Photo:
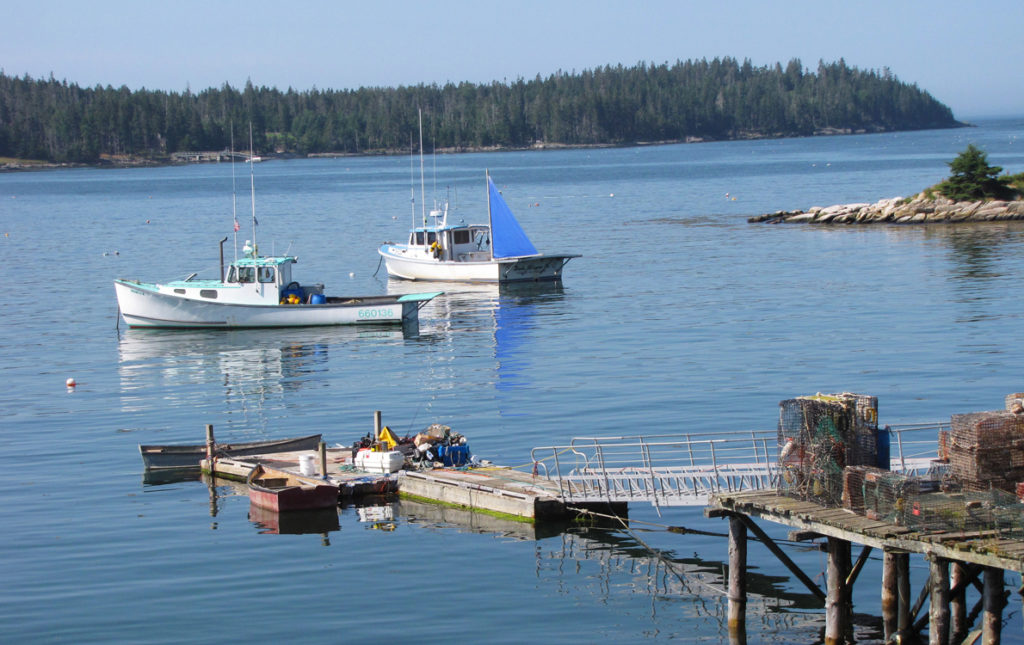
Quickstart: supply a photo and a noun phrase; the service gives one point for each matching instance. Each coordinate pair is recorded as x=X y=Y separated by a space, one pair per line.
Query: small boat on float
x=176 y=456
x=279 y=490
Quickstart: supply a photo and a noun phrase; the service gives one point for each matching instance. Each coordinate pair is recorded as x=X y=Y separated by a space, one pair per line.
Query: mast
x=490 y=227
x=252 y=192
x=412 y=181
x=234 y=194
x=423 y=198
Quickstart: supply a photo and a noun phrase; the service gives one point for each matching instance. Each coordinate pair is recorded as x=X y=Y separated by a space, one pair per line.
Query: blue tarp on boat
x=508 y=239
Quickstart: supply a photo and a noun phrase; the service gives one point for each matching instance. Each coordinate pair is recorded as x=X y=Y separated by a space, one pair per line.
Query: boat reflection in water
x=321 y=521
x=507 y=310
x=252 y=368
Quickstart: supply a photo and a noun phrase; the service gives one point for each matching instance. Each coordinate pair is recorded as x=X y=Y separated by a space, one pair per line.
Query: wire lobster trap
x=818 y=437
x=986 y=450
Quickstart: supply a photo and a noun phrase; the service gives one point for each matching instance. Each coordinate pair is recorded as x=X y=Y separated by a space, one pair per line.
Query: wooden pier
x=957 y=559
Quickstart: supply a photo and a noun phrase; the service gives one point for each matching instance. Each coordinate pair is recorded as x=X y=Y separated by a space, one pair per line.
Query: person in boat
x=436 y=249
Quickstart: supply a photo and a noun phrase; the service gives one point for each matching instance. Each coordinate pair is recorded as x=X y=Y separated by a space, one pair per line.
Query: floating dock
x=335 y=467
x=494 y=490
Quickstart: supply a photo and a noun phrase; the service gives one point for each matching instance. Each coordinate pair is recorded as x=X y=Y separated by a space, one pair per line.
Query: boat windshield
x=417 y=238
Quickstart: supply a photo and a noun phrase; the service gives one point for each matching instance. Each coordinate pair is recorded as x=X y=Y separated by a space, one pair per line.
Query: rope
x=380 y=260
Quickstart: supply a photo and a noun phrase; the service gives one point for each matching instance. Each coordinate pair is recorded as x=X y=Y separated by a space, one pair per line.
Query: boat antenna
x=412 y=180
x=423 y=199
x=234 y=195
x=433 y=155
x=252 y=191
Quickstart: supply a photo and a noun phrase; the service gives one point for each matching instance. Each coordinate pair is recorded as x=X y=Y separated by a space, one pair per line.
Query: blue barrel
x=453 y=456
x=883 y=445
x=317 y=299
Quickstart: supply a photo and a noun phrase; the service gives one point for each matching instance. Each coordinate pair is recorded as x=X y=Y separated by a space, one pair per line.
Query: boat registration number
x=382 y=312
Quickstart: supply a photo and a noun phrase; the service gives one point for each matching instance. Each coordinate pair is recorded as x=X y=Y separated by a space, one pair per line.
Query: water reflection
x=508 y=312
x=255 y=369
x=321 y=521
x=978 y=251
x=604 y=564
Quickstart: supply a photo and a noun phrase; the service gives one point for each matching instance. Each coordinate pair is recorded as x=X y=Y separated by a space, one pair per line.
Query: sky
x=968 y=55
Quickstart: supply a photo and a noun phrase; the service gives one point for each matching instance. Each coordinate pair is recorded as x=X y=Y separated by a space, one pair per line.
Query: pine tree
x=973 y=178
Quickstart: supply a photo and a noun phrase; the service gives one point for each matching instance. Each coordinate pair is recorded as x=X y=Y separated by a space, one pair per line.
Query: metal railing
x=685 y=469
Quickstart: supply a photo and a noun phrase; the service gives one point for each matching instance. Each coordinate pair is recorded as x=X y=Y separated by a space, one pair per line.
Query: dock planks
x=976 y=547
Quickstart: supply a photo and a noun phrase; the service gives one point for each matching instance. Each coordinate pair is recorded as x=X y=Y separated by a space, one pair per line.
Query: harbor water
x=680 y=317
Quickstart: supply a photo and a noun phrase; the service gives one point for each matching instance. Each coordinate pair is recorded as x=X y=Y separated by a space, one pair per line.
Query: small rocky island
x=974 y=192
x=899 y=210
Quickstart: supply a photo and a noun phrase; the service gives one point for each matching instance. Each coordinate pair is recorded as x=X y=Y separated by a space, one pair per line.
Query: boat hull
x=175 y=457
x=142 y=305
x=530 y=269
x=279 y=491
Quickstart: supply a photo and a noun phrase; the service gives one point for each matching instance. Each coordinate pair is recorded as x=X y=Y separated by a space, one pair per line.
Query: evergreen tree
x=718 y=99
x=973 y=178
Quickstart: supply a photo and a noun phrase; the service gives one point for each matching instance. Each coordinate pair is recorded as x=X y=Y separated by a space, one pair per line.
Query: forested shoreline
x=59 y=122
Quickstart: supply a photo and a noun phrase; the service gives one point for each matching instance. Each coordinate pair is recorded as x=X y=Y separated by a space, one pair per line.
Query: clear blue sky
x=969 y=55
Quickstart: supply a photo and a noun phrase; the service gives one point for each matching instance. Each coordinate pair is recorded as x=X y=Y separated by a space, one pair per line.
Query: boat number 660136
x=385 y=312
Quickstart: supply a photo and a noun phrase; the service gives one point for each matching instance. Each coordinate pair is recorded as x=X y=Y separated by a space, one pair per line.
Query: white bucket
x=306 y=465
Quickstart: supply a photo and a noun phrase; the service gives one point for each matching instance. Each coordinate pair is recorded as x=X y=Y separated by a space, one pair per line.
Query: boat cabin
x=272 y=279
x=459 y=243
x=250 y=280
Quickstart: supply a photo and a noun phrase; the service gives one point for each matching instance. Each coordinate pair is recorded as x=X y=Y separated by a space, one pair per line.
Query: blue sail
x=508 y=239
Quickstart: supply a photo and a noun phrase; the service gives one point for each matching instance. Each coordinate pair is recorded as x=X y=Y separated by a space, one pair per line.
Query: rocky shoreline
x=920 y=209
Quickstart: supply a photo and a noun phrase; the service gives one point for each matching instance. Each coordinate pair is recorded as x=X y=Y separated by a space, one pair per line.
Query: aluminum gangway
x=686 y=469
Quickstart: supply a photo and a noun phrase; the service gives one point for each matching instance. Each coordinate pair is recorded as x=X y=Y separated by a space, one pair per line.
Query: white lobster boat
x=257 y=291
x=498 y=251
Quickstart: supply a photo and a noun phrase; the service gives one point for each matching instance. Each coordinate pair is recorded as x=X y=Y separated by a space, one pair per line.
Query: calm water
x=680 y=316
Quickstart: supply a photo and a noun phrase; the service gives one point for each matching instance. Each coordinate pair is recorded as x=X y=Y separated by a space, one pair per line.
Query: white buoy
x=70 y=382
x=351 y=274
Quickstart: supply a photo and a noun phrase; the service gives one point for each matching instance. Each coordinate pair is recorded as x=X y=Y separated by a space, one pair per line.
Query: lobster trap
x=818 y=437
x=986 y=450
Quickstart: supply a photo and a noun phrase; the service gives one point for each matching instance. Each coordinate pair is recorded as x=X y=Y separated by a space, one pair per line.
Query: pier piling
x=737 y=580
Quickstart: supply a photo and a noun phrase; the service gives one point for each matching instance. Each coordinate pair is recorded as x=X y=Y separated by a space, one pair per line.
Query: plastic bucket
x=317 y=299
x=306 y=465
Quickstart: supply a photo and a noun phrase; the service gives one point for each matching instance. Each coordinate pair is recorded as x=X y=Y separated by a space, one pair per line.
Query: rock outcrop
x=899 y=210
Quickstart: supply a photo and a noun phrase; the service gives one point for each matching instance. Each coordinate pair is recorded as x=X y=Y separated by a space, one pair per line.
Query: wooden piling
x=904 y=621
x=938 y=611
x=737 y=580
x=890 y=594
x=992 y=618
x=837 y=601
x=958 y=627
x=376 y=425
x=322 y=453
x=210 y=445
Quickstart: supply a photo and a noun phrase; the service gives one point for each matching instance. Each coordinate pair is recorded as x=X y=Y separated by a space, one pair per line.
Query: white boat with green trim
x=257 y=291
